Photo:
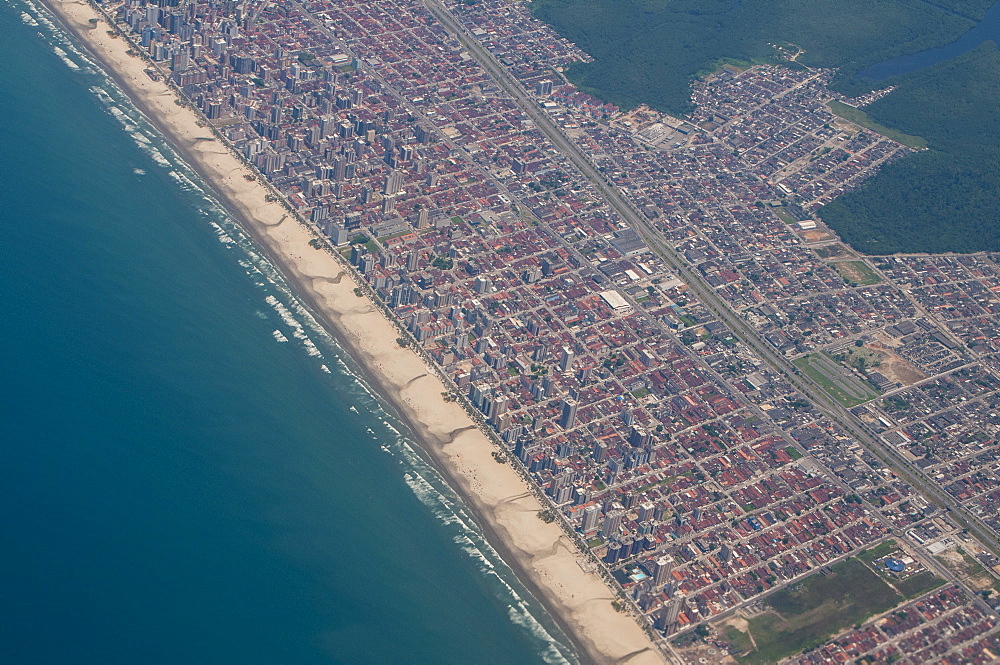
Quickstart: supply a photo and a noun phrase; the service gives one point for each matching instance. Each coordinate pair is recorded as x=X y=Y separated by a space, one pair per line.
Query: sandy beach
x=545 y=559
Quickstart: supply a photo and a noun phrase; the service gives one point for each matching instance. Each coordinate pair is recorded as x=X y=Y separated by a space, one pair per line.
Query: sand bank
x=543 y=556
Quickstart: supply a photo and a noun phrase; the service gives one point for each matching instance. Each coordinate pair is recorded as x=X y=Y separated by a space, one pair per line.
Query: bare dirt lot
x=895 y=367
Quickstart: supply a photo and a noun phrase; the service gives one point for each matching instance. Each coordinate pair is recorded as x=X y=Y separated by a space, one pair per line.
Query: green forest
x=647 y=51
x=941 y=199
x=946 y=198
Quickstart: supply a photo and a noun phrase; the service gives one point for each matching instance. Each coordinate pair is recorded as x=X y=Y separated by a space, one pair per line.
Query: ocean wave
x=65 y=58
x=423 y=481
x=158 y=157
x=430 y=497
x=226 y=239
x=298 y=331
x=467 y=545
x=390 y=427
x=471 y=541
x=521 y=616
x=188 y=184
x=55 y=36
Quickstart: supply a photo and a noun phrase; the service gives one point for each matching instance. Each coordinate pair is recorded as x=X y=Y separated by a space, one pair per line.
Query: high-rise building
x=612 y=523
x=661 y=570
x=498 y=406
x=327 y=125
x=393 y=183
x=672 y=610
x=180 y=60
x=590 y=516
x=566 y=363
x=338 y=168
x=568 y=417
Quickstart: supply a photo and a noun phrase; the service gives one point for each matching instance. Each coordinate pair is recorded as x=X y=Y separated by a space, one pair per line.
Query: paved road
x=740 y=328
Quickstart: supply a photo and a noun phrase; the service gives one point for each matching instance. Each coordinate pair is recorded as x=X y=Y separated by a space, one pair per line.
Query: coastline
x=543 y=557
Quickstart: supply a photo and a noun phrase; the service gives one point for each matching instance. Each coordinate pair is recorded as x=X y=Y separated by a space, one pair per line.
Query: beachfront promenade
x=621 y=300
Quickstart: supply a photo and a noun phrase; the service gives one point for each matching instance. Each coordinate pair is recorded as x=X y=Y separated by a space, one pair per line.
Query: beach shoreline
x=544 y=558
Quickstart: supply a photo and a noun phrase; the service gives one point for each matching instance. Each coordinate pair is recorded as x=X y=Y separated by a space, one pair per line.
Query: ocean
x=192 y=471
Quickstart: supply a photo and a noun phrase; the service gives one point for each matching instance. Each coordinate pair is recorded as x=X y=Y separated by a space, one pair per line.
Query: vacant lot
x=834 y=251
x=808 y=613
x=856 y=273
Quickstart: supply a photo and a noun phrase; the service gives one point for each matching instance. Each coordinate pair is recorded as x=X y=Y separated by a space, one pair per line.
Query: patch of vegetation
x=784 y=215
x=649 y=486
x=845 y=388
x=860 y=358
x=945 y=198
x=859 y=117
x=918 y=585
x=737 y=639
x=895 y=403
x=879 y=551
x=856 y=273
x=807 y=614
x=832 y=251
x=443 y=263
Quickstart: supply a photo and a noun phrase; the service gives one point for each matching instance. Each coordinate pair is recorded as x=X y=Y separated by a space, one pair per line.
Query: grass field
x=859 y=117
x=834 y=380
x=879 y=551
x=911 y=587
x=784 y=215
x=808 y=613
x=918 y=585
x=856 y=273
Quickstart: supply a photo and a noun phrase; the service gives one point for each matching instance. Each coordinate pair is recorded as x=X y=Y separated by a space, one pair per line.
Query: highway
x=740 y=328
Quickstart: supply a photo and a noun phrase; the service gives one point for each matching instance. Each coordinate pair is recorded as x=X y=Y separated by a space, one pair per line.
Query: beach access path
x=545 y=559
